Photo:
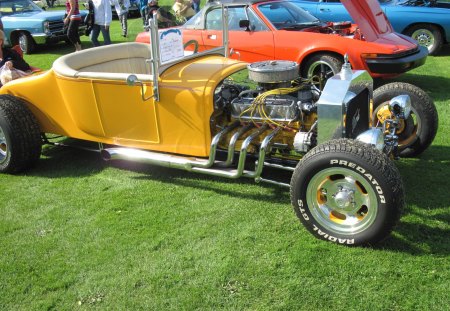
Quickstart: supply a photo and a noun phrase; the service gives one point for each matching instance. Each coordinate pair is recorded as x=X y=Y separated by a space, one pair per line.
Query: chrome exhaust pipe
x=198 y=165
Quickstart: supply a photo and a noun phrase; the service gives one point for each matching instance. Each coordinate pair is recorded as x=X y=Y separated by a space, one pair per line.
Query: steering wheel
x=191 y=42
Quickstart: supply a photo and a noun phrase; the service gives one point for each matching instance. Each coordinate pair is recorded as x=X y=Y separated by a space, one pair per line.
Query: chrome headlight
x=400 y=106
x=46 y=27
x=373 y=137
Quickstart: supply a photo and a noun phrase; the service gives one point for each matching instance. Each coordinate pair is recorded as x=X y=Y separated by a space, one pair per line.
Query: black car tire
x=347 y=192
x=332 y=63
x=26 y=43
x=20 y=136
x=428 y=36
x=421 y=127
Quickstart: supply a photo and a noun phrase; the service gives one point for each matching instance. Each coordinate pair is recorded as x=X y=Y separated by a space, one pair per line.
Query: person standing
x=103 y=18
x=122 y=7
x=72 y=22
x=143 y=10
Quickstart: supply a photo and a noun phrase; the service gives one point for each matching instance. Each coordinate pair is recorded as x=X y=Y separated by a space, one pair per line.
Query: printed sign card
x=170 y=45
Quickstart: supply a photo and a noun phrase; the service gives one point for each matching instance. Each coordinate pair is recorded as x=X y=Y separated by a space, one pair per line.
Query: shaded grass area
x=80 y=233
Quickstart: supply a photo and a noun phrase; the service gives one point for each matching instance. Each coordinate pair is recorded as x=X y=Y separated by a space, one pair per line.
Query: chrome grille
x=56 y=27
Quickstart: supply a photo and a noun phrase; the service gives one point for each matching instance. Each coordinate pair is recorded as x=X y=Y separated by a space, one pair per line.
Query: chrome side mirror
x=400 y=106
x=132 y=80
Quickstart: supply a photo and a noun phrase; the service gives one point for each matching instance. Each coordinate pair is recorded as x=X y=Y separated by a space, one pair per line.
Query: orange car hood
x=370 y=18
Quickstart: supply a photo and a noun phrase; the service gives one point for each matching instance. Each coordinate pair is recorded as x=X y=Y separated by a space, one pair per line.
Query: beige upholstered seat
x=111 y=62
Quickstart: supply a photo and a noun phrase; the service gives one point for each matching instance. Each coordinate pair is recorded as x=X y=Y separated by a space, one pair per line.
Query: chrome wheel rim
x=342 y=201
x=3 y=146
x=315 y=69
x=408 y=133
x=23 y=42
x=424 y=37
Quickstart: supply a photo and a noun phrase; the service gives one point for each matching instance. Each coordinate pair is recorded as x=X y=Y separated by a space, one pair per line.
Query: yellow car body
x=111 y=112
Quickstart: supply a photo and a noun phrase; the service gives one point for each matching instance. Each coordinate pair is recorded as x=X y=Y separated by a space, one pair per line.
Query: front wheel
x=20 y=137
x=347 y=192
x=428 y=36
x=321 y=67
x=26 y=43
x=418 y=131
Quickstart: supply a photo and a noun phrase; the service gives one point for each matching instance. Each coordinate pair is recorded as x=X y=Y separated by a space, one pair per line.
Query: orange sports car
x=278 y=29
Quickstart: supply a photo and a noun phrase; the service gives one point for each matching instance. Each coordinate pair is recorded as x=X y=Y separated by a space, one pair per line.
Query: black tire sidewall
x=331 y=61
x=438 y=38
x=427 y=133
x=309 y=168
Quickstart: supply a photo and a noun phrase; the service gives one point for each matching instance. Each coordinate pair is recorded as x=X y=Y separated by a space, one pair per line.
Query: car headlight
x=400 y=106
x=374 y=137
x=46 y=27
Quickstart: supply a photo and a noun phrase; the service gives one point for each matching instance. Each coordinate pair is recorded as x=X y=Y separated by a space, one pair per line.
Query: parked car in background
x=428 y=22
x=277 y=29
x=27 y=25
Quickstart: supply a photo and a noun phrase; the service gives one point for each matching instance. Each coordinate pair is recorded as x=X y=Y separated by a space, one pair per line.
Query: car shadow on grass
x=445 y=51
x=435 y=86
x=423 y=228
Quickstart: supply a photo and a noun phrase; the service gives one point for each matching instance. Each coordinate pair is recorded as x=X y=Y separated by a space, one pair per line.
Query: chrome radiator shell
x=341 y=92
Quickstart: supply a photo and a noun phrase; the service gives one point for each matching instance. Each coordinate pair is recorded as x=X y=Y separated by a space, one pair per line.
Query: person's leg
x=73 y=35
x=144 y=16
x=94 y=34
x=123 y=22
x=196 y=6
x=105 y=34
x=125 y=25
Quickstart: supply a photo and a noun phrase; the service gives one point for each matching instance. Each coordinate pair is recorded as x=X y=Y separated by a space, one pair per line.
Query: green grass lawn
x=77 y=233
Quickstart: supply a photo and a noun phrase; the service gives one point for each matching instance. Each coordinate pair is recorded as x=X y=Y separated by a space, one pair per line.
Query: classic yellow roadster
x=209 y=114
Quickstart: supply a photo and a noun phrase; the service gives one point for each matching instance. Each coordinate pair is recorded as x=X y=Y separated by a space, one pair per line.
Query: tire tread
x=25 y=142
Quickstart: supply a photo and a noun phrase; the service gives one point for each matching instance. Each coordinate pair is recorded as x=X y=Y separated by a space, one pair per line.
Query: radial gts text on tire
x=419 y=130
x=347 y=192
x=428 y=36
x=20 y=137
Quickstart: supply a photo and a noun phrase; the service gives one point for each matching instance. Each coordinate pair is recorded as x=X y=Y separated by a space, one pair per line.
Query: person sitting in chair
x=12 y=65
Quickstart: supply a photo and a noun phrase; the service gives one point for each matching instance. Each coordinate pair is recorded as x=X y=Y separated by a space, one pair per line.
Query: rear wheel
x=347 y=192
x=428 y=36
x=20 y=140
x=26 y=43
x=418 y=131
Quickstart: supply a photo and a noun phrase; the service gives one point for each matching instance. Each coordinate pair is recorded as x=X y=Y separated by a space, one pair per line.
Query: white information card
x=170 y=45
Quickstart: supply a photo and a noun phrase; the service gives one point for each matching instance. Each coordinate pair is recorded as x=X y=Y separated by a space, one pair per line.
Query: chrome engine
x=278 y=97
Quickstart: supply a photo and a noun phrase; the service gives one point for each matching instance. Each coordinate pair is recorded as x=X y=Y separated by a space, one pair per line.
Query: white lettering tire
x=347 y=192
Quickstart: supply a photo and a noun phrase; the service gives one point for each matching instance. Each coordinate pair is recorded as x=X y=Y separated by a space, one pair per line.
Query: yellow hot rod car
x=209 y=114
